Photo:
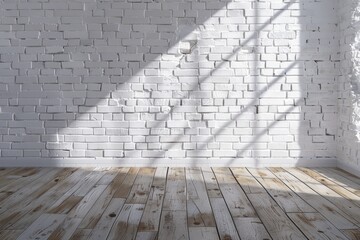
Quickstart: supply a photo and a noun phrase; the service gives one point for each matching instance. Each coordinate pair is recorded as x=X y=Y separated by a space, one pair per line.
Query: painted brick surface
x=168 y=79
x=349 y=83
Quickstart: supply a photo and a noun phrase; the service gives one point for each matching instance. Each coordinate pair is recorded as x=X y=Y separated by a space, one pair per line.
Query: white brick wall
x=349 y=84
x=202 y=80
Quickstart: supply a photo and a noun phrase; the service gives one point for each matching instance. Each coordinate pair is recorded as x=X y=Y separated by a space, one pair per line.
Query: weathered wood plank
x=37 y=206
x=66 y=205
x=25 y=193
x=151 y=218
x=103 y=227
x=275 y=220
x=322 y=205
x=8 y=175
x=146 y=236
x=173 y=225
x=24 y=176
x=93 y=216
x=43 y=227
x=109 y=175
x=81 y=204
x=347 y=175
x=6 y=171
x=89 y=182
x=65 y=230
x=175 y=196
x=352 y=234
x=251 y=228
x=315 y=226
x=83 y=207
x=10 y=234
x=141 y=187
x=344 y=205
x=235 y=198
x=126 y=224
x=78 y=211
x=353 y=198
x=203 y=233
x=40 y=186
x=224 y=222
x=4 y=195
x=81 y=234
x=340 y=180
x=211 y=184
x=198 y=206
x=124 y=189
x=247 y=181
x=283 y=196
x=82 y=182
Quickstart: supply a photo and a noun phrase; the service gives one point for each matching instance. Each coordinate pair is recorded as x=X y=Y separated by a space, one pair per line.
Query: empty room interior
x=179 y=119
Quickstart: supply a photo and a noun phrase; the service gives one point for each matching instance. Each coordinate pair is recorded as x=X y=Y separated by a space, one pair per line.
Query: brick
x=120 y=79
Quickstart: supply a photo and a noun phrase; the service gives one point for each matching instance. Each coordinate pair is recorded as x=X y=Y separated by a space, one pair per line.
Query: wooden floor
x=178 y=203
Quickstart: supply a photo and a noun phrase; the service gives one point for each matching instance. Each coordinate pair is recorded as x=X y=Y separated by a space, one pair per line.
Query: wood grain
x=178 y=203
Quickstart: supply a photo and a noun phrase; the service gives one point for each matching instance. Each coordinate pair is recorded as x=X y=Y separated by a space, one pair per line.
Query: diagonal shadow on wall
x=144 y=60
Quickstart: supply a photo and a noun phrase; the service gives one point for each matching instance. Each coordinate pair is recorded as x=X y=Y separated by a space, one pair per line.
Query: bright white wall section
x=168 y=82
x=349 y=86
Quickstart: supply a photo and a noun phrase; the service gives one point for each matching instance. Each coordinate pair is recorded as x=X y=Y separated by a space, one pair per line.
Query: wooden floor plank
x=275 y=220
x=84 y=206
x=175 y=196
x=81 y=234
x=66 y=205
x=89 y=182
x=81 y=179
x=4 y=195
x=352 y=234
x=77 y=211
x=103 y=227
x=234 y=196
x=340 y=180
x=151 y=217
x=66 y=229
x=211 y=184
x=8 y=175
x=283 y=196
x=343 y=204
x=173 y=225
x=347 y=175
x=93 y=216
x=28 y=194
x=251 y=228
x=173 y=221
x=146 y=236
x=43 y=227
x=126 y=224
x=322 y=205
x=198 y=206
x=224 y=221
x=178 y=203
x=141 y=187
x=36 y=206
x=203 y=233
x=353 y=198
x=247 y=181
x=25 y=188
x=124 y=189
x=24 y=176
x=109 y=175
x=10 y=234
x=315 y=226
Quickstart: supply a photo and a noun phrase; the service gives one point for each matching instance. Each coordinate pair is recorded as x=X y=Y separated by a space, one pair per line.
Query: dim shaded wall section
x=168 y=82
